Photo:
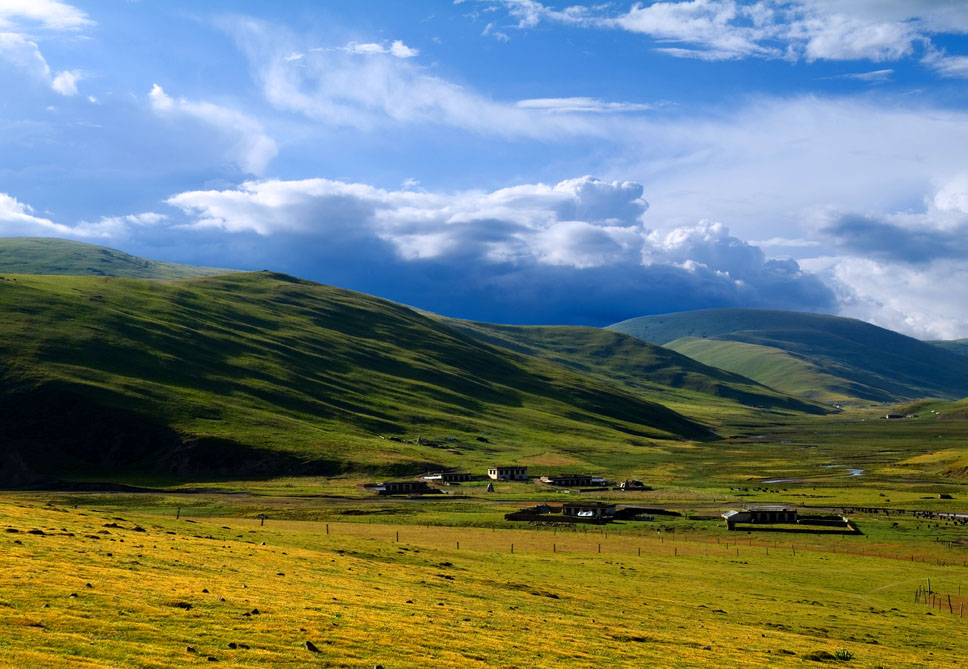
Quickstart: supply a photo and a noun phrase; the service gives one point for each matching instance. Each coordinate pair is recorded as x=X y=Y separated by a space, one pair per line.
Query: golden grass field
x=92 y=590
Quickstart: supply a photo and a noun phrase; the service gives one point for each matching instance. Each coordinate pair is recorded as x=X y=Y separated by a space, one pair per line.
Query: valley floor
x=119 y=580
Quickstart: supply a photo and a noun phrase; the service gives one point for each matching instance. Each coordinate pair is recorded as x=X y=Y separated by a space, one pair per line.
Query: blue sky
x=510 y=160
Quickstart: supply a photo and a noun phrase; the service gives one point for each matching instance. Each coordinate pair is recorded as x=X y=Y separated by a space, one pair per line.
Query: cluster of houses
x=495 y=473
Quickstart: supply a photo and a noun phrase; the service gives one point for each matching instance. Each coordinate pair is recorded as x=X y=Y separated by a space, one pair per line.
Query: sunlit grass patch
x=405 y=595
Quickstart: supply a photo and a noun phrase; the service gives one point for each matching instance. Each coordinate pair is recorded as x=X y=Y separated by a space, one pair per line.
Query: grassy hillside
x=959 y=346
x=842 y=355
x=637 y=365
x=771 y=366
x=254 y=373
x=42 y=255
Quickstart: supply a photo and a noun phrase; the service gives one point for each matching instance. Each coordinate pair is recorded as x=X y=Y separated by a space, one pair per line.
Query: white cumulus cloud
x=65 y=83
x=18 y=219
x=579 y=223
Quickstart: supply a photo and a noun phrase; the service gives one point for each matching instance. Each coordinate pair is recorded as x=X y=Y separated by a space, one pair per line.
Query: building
x=761 y=515
x=401 y=488
x=632 y=484
x=571 y=480
x=509 y=473
x=447 y=477
x=530 y=513
x=592 y=511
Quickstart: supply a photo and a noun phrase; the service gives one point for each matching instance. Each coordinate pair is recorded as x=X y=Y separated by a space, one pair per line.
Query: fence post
x=512 y=548
x=327 y=528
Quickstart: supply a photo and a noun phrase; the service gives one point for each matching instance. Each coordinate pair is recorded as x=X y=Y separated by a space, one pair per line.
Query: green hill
x=959 y=346
x=935 y=410
x=771 y=366
x=822 y=357
x=260 y=373
x=638 y=366
x=42 y=255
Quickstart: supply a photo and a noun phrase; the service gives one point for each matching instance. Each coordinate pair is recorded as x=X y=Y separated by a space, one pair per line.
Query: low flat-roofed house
x=761 y=515
x=568 y=480
x=508 y=473
x=589 y=510
x=447 y=477
x=401 y=488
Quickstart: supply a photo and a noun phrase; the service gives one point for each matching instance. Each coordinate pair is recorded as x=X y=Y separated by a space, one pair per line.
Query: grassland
x=43 y=255
x=119 y=581
x=405 y=582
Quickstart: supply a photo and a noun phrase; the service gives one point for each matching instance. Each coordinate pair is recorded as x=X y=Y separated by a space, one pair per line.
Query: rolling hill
x=42 y=255
x=959 y=346
x=825 y=358
x=638 y=366
x=263 y=374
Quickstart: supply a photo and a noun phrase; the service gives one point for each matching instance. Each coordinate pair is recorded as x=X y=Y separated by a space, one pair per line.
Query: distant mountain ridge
x=48 y=255
x=821 y=357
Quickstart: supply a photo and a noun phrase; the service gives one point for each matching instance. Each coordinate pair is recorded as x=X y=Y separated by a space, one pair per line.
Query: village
x=598 y=512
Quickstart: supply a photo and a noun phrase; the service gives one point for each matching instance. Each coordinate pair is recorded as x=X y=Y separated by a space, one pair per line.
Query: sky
x=510 y=161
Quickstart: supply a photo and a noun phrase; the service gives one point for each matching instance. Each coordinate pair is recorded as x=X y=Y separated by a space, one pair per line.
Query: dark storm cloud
x=889 y=241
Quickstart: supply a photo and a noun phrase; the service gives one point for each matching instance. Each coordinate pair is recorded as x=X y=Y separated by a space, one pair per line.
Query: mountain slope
x=774 y=367
x=958 y=346
x=259 y=372
x=635 y=364
x=42 y=255
x=829 y=356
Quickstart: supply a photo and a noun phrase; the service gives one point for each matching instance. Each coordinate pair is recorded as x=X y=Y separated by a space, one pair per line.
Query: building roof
x=587 y=505
x=770 y=507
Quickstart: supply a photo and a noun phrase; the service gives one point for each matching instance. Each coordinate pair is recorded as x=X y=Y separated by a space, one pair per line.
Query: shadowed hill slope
x=822 y=357
x=635 y=364
x=253 y=373
x=42 y=255
x=959 y=346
